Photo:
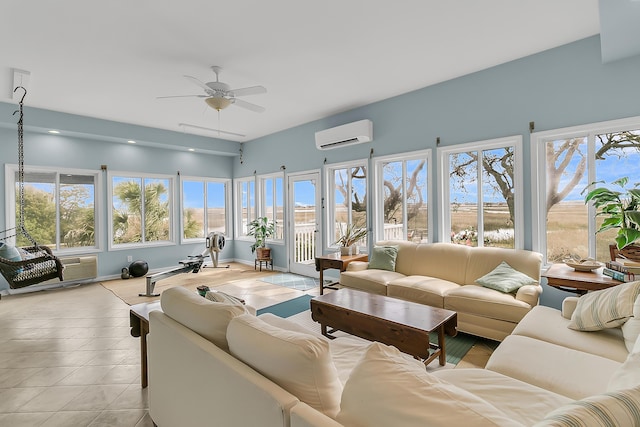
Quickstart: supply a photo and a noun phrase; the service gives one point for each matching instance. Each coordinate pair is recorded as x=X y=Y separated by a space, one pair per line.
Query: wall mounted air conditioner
x=349 y=134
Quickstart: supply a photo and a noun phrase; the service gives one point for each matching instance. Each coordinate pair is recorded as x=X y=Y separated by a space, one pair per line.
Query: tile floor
x=67 y=357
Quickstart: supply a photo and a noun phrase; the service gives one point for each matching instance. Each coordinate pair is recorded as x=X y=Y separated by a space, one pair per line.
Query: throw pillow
x=299 y=363
x=207 y=318
x=628 y=374
x=619 y=408
x=631 y=328
x=9 y=252
x=607 y=308
x=385 y=390
x=505 y=279
x=383 y=258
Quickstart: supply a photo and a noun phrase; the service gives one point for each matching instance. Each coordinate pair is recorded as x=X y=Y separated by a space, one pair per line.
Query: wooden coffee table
x=402 y=324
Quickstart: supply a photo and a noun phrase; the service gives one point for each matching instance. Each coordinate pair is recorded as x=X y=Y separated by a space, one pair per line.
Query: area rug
x=293 y=281
x=128 y=290
x=456 y=347
x=288 y=308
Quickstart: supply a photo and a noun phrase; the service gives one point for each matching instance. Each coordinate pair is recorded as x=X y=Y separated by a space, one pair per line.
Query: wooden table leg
x=321 y=281
x=441 y=344
x=144 y=331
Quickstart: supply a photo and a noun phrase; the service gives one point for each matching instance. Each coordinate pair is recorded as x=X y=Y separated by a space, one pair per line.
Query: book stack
x=622 y=269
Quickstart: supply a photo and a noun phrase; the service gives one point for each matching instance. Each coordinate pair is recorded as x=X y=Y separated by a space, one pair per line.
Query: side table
x=139 y=322
x=565 y=278
x=337 y=261
x=266 y=261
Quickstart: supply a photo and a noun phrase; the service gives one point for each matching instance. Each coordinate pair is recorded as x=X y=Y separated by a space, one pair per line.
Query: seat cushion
x=384 y=391
x=486 y=302
x=547 y=324
x=559 y=369
x=203 y=316
x=520 y=401
x=421 y=289
x=374 y=281
x=298 y=362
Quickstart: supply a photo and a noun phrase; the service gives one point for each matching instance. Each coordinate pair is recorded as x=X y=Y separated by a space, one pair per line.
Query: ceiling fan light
x=218 y=103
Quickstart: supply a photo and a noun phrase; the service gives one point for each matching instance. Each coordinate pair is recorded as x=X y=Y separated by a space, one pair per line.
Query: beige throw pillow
x=205 y=317
x=608 y=308
x=299 y=363
x=385 y=390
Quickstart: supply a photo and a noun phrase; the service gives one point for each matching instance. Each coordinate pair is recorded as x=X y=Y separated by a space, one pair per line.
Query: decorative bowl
x=583 y=264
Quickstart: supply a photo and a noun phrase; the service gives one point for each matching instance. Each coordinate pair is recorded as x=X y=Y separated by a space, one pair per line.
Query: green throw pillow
x=505 y=279
x=606 y=308
x=383 y=258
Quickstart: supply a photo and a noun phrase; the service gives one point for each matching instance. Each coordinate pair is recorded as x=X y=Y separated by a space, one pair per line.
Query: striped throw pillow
x=613 y=409
x=608 y=308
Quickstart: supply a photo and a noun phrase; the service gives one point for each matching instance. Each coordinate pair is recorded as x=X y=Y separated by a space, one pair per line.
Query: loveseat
x=275 y=372
x=444 y=275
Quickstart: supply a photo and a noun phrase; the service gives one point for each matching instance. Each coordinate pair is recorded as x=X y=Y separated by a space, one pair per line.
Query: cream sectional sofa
x=277 y=373
x=444 y=274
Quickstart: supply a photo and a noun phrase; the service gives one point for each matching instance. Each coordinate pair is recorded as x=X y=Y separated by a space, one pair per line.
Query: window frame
x=228 y=223
x=172 y=210
x=261 y=198
x=378 y=176
x=251 y=203
x=444 y=229
x=539 y=175
x=329 y=185
x=10 y=203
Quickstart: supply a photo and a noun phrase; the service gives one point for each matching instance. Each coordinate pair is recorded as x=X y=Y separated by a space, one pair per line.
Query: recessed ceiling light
x=54 y=131
x=191 y=149
x=131 y=141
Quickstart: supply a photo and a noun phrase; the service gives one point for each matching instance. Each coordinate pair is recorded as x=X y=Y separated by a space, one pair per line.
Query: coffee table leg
x=441 y=344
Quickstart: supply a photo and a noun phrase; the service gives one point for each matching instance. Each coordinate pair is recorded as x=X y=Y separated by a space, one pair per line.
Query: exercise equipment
x=36 y=263
x=214 y=244
x=138 y=268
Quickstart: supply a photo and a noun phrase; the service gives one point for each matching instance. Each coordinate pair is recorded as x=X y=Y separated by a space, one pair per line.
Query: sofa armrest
x=357 y=266
x=529 y=294
x=568 y=306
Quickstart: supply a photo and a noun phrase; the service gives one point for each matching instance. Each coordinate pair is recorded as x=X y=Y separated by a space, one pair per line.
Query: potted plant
x=349 y=237
x=621 y=210
x=261 y=229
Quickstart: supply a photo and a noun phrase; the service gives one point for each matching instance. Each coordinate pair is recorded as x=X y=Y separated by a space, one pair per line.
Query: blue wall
x=561 y=87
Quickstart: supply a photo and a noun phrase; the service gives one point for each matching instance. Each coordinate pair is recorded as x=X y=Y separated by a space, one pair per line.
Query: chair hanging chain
x=21 y=226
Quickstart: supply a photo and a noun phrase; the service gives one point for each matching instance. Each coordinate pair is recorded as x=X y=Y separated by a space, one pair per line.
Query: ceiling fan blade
x=252 y=90
x=183 y=96
x=199 y=83
x=248 y=105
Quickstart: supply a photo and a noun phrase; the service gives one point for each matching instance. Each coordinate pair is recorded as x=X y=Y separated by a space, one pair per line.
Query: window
x=245 y=204
x=59 y=207
x=140 y=209
x=567 y=162
x=481 y=200
x=347 y=199
x=402 y=205
x=204 y=207
x=272 y=201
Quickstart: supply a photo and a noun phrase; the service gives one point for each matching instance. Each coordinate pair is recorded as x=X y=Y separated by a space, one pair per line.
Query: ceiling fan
x=219 y=95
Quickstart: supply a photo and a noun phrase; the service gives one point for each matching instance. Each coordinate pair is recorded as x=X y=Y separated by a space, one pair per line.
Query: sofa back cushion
x=385 y=390
x=298 y=362
x=486 y=259
x=205 y=317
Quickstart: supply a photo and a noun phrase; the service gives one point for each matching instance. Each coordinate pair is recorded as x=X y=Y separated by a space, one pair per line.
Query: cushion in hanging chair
x=9 y=252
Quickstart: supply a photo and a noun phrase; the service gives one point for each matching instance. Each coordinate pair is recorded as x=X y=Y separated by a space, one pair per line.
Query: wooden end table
x=337 y=261
x=392 y=321
x=563 y=277
x=139 y=322
x=268 y=262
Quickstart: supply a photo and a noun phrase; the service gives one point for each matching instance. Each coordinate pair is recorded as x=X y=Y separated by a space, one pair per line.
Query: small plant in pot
x=620 y=209
x=261 y=229
x=351 y=235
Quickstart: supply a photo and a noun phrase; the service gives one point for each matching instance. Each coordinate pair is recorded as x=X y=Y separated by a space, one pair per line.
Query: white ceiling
x=111 y=59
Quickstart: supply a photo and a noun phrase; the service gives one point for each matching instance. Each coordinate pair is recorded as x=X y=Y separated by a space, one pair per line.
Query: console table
x=563 y=277
x=337 y=261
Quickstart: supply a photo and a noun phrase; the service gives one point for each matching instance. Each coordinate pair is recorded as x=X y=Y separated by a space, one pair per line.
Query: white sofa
x=444 y=275
x=537 y=372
